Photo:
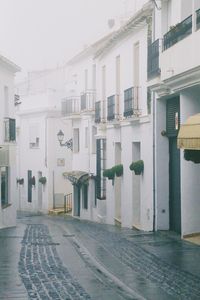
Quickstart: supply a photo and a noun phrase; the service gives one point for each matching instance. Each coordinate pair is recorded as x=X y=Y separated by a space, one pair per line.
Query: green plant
x=192 y=155
x=109 y=173
x=118 y=170
x=43 y=180
x=137 y=167
x=20 y=181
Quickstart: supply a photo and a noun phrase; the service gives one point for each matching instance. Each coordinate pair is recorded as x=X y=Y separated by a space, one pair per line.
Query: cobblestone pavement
x=174 y=281
x=41 y=269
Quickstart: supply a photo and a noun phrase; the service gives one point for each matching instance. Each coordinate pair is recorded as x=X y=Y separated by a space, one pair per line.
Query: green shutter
x=173 y=117
x=12 y=129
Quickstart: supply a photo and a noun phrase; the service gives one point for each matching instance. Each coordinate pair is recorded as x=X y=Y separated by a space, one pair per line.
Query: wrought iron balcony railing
x=197 y=19
x=153 y=59
x=88 y=100
x=177 y=33
x=70 y=106
x=98 y=112
x=131 y=102
x=113 y=107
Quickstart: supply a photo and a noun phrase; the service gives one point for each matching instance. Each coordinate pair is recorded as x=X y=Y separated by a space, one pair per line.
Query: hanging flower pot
x=137 y=167
x=20 y=181
x=192 y=155
x=43 y=180
x=118 y=170
x=109 y=173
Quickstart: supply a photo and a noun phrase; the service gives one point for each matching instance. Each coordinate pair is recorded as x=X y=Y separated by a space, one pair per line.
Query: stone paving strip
x=41 y=269
x=175 y=282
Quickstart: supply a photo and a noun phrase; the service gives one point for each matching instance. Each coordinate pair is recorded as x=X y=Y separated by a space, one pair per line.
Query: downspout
x=154 y=165
x=154 y=133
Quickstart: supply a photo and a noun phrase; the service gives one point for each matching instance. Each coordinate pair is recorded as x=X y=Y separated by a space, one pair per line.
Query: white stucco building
x=109 y=79
x=123 y=115
x=174 y=78
x=7 y=143
x=39 y=153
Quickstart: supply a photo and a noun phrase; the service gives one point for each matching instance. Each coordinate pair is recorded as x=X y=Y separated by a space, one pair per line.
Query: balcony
x=177 y=33
x=98 y=112
x=9 y=130
x=113 y=107
x=181 y=58
x=70 y=106
x=153 y=59
x=198 y=19
x=88 y=100
x=131 y=102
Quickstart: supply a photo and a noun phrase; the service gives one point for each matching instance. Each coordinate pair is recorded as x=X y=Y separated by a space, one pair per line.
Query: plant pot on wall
x=20 y=181
x=137 y=167
x=109 y=173
x=118 y=170
x=43 y=180
x=192 y=155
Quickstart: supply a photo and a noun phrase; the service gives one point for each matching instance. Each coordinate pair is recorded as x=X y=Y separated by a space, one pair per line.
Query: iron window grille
x=111 y=108
x=198 y=19
x=70 y=105
x=10 y=130
x=98 y=112
x=153 y=69
x=131 y=102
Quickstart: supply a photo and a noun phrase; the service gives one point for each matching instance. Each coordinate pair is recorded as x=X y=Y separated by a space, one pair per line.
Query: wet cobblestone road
x=41 y=269
x=175 y=282
x=64 y=258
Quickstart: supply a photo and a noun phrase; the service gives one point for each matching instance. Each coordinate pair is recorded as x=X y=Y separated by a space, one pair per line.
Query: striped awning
x=77 y=177
x=189 y=134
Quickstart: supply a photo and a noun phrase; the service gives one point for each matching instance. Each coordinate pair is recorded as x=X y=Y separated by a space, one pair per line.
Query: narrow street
x=48 y=257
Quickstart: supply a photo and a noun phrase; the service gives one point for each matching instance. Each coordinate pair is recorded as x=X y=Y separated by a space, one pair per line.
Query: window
x=34 y=136
x=100 y=167
x=76 y=140
x=111 y=108
x=94 y=132
x=4 y=186
x=10 y=130
x=128 y=102
x=6 y=102
x=85 y=196
x=86 y=137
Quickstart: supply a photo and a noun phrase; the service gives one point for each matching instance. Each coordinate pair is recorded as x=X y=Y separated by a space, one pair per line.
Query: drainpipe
x=154 y=165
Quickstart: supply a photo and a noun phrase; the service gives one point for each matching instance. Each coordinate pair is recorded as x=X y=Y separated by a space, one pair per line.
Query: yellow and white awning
x=189 y=134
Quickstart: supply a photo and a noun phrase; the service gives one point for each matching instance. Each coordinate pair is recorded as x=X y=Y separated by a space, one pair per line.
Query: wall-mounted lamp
x=68 y=144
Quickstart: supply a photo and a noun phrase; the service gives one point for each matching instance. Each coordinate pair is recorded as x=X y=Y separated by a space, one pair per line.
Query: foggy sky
x=38 y=34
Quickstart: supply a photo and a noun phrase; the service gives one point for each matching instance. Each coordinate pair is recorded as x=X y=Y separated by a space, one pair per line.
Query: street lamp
x=68 y=144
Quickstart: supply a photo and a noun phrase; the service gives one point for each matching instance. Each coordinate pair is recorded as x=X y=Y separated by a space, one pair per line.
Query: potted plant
x=20 y=181
x=192 y=155
x=118 y=170
x=137 y=167
x=109 y=173
x=43 y=180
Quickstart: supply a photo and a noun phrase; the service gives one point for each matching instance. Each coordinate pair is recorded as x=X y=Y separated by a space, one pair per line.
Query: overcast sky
x=38 y=34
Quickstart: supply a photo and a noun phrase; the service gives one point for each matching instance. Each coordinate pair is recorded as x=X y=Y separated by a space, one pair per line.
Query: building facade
x=173 y=78
x=7 y=143
x=41 y=160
